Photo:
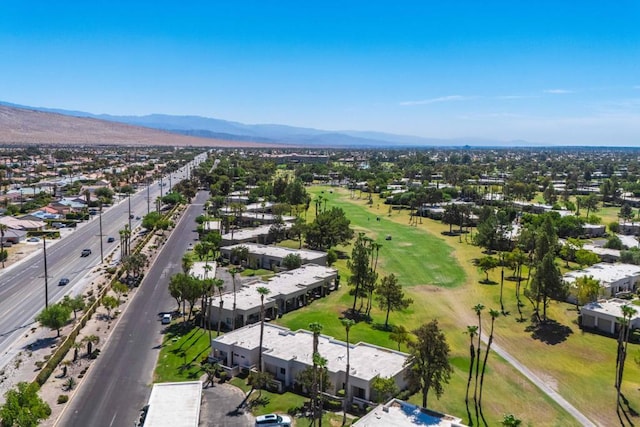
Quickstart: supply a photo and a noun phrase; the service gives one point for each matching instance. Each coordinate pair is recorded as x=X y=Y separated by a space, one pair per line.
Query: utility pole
x=148 y=197
x=161 y=186
x=129 y=202
x=100 y=235
x=46 y=275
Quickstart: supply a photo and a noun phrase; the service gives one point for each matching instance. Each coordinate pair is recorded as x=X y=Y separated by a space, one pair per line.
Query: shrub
x=63 y=398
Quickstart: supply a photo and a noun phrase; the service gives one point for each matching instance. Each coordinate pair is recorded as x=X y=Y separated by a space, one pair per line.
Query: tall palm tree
x=478 y=309
x=3 y=228
x=316 y=328
x=321 y=363
x=347 y=323
x=233 y=272
x=219 y=284
x=262 y=290
x=627 y=313
x=472 y=331
x=494 y=315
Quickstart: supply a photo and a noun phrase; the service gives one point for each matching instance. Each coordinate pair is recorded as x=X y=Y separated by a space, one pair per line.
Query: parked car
x=166 y=319
x=85 y=252
x=273 y=420
x=110 y=239
x=58 y=225
x=64 y=281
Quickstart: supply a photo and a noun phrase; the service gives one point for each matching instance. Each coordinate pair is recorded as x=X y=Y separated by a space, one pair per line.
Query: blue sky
x=550 y=72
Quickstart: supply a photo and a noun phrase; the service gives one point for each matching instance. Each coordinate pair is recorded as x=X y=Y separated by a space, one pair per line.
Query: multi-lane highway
x=119 y=382
x=22 y=286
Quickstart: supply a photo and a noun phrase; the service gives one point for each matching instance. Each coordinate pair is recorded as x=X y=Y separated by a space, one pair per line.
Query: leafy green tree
x=328 y=229
x=587 y=290
x=569 y=249
x=400 y=335
x=486 y=264
x=510 y=420
x=239 y=254
x=332 y=257
x=359 y=265
x=626 y=213
x=384 y=388
x=390 y=296
x=292 y=261
x=614 y=242
x=54 y=317
x=259 y=381
x=429 y=366
x=586 y=257
x=110 y=302
x=75 y=304
x=547 y=284
x=487 y=233
x=23 y=407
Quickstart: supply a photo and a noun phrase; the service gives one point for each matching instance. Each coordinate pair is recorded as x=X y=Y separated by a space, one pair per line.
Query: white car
x=273 y=420
x=166 y=319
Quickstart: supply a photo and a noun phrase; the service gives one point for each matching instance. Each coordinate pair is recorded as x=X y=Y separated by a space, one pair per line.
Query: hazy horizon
x=546 y=72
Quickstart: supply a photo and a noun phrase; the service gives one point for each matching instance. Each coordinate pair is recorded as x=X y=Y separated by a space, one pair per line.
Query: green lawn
x=578 y=365
x=182 y=351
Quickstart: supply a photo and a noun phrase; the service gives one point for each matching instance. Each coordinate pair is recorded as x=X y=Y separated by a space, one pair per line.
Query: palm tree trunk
x=472 y=352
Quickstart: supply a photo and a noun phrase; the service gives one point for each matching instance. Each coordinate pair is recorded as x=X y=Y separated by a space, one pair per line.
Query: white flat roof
x=277 y=251
x=605 y=273
x=174 y=405
x=611 y=307
x=199 y=270
x=398 y=413
x=367 y=361
x=250 y=233
x=285 y=283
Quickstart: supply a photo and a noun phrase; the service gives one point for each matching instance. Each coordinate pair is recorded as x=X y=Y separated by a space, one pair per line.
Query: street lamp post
x=100 y=235
x=46 y=275
x=148 y=197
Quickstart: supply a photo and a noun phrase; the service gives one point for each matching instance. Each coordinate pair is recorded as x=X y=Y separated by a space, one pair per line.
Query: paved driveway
x=220 y=407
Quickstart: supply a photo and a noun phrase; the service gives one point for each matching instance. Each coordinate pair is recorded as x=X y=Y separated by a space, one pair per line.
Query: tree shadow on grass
x=258 y=401
x=356 y=316
x=550 y=332
x=488 y=282
x=381 y=327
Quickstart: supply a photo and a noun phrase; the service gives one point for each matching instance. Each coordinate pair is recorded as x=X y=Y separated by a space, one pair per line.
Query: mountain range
x=202 y=128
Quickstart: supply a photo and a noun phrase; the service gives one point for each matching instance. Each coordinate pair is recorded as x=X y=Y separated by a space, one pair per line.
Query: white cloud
x=435 y=100
x=558 y=91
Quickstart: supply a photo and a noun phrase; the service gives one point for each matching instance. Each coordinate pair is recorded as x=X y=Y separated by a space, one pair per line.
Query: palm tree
x=219 y=284
x=625 y=323
x=472 y=331
x=91 y=340
x=347 y=323
x=494 y=315
x=316 y=328
x=478 y=309
x=321 y=363
x=233 y=272
x=262 y=290
x=3 y=228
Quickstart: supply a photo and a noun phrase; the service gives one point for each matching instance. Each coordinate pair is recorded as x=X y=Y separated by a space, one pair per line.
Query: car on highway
x=273 y=420
x=111 y=239
x=137 y=218
x=64 y=281
x=85 y=252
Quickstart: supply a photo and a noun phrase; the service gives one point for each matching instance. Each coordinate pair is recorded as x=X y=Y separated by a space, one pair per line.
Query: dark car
x=85 y=252
x=64 y=281
x=110 y=239
x=131 y=216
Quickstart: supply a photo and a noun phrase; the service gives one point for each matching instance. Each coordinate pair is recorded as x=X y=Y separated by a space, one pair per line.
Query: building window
x=283 y=371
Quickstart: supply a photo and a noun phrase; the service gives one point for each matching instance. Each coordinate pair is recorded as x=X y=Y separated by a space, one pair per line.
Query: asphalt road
x=119 y=382
x=22 y=286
